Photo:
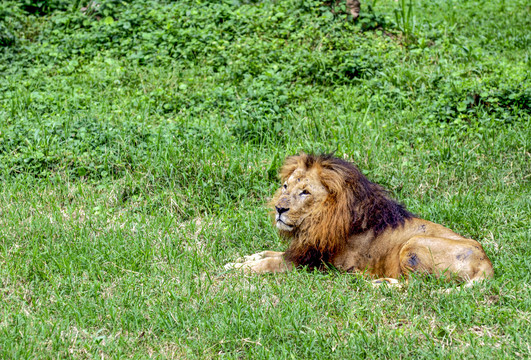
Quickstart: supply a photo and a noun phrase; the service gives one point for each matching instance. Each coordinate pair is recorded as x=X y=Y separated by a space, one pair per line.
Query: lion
x=333 y=215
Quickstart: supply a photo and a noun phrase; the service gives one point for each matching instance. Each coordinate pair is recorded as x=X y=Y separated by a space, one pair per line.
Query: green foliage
x=405 y=20
x=81 y=147
x=370 y=20
x=11 y=22
x=498 y=102
x=43 y=7
x=140 y=140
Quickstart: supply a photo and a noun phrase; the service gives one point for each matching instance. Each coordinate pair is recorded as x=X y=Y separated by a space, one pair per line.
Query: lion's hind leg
x=262 y=262
x=461 y=258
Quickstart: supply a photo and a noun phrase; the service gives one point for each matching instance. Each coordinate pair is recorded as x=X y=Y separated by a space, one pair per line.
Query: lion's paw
x=230 y=266
x=262 y=262
x=387 y=281
x=246 y=265
x=247 y=262
x=254 y=257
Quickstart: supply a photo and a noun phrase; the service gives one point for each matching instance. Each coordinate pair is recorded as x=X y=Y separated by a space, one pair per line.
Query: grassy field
x=140 y=141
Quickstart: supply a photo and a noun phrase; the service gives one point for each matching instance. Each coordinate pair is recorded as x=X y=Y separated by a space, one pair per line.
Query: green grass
x=140 y=141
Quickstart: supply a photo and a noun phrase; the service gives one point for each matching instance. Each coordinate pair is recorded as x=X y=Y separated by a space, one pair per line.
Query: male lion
x=333 y=214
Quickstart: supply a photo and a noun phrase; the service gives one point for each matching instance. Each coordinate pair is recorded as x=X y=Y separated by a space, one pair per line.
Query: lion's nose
x=281 y=210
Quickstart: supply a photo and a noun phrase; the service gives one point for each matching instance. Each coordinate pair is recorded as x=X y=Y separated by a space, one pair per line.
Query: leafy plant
x=42 y=7
x=405 y=20
x=489 y=104
x=370 y=20
x=11 y=22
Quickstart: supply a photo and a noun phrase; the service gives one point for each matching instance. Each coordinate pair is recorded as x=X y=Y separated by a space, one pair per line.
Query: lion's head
x=324 y=200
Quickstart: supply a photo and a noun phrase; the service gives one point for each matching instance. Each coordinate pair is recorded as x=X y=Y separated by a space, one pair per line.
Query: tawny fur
x=332 y=214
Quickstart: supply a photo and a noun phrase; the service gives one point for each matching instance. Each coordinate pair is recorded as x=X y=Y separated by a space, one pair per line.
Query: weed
x=405 y=20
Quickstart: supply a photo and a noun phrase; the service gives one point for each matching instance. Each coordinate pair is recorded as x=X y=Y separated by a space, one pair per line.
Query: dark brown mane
x=355 y=205
x=375 y=210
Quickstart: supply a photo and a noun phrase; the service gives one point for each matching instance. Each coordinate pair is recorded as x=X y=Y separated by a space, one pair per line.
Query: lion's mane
x=354 y=205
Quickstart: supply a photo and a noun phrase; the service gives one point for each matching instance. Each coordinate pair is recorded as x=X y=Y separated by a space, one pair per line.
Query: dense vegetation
x=139 y=141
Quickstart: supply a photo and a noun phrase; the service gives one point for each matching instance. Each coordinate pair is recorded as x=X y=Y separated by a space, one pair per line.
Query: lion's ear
x=290 y=165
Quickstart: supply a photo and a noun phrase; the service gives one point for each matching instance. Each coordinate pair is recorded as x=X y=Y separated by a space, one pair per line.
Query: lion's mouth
x=281 y=225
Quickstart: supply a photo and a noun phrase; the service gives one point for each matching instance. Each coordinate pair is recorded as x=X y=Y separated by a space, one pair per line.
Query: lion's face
x=299 y=195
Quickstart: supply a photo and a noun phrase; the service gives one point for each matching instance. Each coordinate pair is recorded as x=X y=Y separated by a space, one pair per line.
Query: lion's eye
x=285 y=186
x=305 y=192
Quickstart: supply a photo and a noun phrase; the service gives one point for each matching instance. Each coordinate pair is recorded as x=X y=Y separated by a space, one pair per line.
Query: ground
x=139 y=143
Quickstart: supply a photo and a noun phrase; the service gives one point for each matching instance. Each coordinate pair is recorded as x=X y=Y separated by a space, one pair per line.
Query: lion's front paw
x=245 y=265
x=245 y=262
x=246 y=259
x=254 y=257
x=262 y=262
x=387 y=281
x=229 y=266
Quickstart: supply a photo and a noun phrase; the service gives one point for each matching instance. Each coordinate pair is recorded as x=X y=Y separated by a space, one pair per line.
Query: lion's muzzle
x=281 y=219
x=281 y=210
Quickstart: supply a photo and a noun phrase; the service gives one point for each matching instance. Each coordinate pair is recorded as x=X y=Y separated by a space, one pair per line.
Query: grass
x=140 y=141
